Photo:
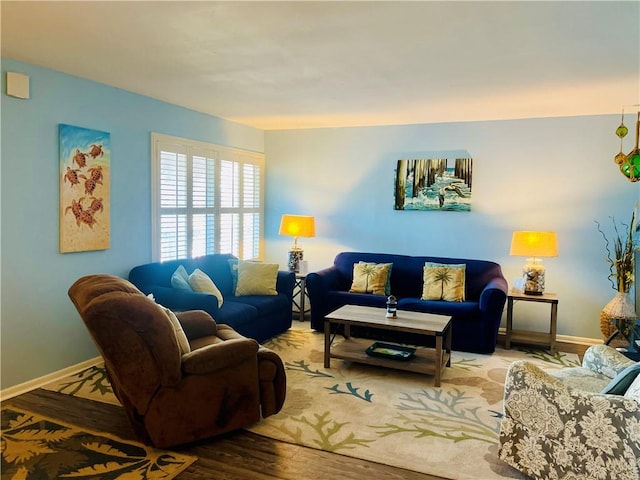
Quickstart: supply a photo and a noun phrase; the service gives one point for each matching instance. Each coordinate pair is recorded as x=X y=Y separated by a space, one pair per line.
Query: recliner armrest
x=219 y=356
x=197 y=323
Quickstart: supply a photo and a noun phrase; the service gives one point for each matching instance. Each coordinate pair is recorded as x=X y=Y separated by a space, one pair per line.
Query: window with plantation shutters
x=205 y=199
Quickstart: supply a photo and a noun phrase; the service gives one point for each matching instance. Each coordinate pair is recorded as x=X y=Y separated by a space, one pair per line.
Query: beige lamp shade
x=298 y=226
x=534 y=244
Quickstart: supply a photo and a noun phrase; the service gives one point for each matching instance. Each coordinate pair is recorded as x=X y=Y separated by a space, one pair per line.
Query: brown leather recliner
x=180 y=377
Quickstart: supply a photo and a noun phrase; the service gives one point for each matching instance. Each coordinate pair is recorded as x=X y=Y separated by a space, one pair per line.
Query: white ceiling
x=281 y=65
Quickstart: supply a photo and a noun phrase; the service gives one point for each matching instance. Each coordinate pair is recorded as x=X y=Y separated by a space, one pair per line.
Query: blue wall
x=41 y=331
x=554 y=173
x=536 y=174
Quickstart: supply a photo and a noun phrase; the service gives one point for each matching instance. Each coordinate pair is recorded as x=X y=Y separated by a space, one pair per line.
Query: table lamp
x=297 y=226
x=534 y=245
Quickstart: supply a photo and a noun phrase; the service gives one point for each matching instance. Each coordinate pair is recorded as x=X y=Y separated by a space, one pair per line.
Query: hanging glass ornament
x=630 y=166
x=621 y=132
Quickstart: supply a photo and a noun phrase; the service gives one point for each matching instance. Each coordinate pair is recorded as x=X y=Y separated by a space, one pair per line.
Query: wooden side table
x=530 y=337
x=300 y=290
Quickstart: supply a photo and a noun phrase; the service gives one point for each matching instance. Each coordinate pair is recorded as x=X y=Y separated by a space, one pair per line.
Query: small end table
x=300 y=292
x=529 y=337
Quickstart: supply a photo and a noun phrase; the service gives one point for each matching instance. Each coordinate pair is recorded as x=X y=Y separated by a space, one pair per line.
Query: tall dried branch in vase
x=620 y=312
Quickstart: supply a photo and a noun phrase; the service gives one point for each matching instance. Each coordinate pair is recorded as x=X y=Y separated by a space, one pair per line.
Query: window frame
x=219 y=154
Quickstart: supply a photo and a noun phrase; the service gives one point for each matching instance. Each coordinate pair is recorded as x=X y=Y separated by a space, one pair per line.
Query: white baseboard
x=51 y=377
x=567 y=338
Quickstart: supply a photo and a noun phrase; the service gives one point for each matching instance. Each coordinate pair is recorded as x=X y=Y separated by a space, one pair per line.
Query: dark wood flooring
x=241 y=455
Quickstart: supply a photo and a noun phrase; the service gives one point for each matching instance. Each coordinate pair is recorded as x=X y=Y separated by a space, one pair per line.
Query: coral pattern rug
x=383 y=415
x=36 y=447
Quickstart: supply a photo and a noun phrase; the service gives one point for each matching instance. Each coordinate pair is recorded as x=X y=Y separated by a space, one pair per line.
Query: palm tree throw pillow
x=443 y=282
x=369 y=278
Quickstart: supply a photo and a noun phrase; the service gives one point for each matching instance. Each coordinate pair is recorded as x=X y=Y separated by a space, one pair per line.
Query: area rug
x=37 y=447
x=383 y=415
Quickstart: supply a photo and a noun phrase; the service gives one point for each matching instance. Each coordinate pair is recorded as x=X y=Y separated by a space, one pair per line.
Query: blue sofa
x=255 y=316
x=475 y=321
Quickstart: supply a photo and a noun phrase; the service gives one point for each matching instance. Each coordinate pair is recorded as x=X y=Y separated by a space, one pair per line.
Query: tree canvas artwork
x=433 y=184
x=85 y=158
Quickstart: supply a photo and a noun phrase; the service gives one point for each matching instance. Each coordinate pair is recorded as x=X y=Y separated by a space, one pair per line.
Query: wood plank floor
x=241 y=455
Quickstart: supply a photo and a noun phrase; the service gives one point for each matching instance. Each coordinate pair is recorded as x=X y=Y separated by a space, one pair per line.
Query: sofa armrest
x=219 y=356
x=605 y=360
x=181 y=300
x=197 y=324
x=285 y=283
x=323 y=281
x=494 y=295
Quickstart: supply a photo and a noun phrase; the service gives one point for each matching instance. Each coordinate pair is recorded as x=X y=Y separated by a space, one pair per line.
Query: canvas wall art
x=433 y=184
x=85 y=159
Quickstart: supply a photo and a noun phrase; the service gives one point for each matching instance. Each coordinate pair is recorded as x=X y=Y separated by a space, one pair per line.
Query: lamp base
x=533 y=275
x=293 y=262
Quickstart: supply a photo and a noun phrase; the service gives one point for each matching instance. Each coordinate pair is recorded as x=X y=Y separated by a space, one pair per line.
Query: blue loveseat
x=255 y=316
x=475 y=321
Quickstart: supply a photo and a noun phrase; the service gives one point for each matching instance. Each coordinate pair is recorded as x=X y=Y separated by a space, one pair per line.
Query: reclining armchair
x=180 y=377
x=559 y=424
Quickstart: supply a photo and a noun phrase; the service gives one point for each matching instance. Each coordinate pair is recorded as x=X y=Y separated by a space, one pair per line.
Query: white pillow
x=180 y=279
x=200 y=282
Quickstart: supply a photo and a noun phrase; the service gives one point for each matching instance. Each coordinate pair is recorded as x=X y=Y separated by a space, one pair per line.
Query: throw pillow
x=233 y=266
x=200 y=282
x=183 y=342
x=634 y=390
x=369 y=278
x=387 y=285
x=443 y=282
x=180 y=279
x=256 y=278
x=622 y=381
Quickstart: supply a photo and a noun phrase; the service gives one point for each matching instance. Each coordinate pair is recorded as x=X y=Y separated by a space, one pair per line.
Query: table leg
x=447 y=343
x=327 y=344
x=507 y=341
x=438 y=360
x=303 y=293
x=554 y=325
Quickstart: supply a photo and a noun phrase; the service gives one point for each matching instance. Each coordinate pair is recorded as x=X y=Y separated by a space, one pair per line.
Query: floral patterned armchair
x=557 y=425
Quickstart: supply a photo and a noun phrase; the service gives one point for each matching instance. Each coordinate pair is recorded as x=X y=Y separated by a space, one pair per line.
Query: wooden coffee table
x=426 y=360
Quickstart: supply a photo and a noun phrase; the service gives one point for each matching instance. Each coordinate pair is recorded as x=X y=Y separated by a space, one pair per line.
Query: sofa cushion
x=180 y=279
x=236 y=314
x=201 y=282
x=256 y=278
x=369 y=278
x=363 y=299
x=440 y=307
x=443 y=282
x=264 y=304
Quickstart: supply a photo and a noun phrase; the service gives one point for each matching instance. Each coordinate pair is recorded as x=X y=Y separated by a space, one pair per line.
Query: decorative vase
x=617 y=315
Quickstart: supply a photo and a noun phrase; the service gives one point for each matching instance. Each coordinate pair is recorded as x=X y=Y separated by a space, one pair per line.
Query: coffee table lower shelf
x=353 y=349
